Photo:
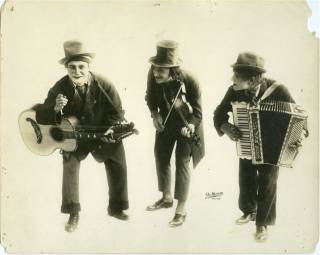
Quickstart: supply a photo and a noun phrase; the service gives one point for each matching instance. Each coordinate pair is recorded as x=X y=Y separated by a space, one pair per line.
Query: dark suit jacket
x=98 y=111
x=155 y=101
x=221 y=116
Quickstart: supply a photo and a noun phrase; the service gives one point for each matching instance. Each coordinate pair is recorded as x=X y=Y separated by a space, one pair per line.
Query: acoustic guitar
x=45 y=139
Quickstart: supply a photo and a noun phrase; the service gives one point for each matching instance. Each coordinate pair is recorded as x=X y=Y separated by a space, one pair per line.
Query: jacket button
x=100 y=147
x=83 y=118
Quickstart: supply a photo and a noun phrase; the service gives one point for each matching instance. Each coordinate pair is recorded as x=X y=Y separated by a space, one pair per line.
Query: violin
x=183 y=108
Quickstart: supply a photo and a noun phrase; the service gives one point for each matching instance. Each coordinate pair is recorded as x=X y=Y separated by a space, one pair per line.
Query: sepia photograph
x=159 y=127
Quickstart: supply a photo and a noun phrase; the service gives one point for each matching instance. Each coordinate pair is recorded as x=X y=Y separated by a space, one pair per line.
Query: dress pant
x=258 y=191
x=116 y=171
x=164 y=144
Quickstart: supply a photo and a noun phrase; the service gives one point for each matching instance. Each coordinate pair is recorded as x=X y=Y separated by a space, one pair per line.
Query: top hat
x=74 y=49
x=250 y=61
x=167 y=54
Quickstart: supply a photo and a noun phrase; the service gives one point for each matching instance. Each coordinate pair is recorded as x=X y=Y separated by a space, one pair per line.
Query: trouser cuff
x=118 y=205
x=260 y=223
x=70 y=208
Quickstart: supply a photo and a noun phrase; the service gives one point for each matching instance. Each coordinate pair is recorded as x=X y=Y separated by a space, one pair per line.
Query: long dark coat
x=155 y=101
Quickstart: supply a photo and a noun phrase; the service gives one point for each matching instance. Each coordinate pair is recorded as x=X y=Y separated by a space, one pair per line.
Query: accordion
x=268 y=131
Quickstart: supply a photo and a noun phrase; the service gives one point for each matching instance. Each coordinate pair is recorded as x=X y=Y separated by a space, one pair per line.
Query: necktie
x=82 y=90
x=253 y=97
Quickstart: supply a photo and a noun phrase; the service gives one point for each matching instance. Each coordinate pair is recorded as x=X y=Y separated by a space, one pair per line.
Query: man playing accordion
x=257 y=182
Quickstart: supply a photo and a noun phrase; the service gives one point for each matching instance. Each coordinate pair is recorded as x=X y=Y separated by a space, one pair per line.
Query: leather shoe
x=160 y=204
x=72 y=222
x=261 y=234
x=118 y=214
x=177 y=220
x=246 y=218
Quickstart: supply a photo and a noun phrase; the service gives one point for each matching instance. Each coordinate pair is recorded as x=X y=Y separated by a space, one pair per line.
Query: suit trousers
x=258 y=191
x=116 y=171
x=164 y=144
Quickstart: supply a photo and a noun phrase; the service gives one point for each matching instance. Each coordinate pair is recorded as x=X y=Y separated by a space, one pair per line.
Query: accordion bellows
x=268 y=131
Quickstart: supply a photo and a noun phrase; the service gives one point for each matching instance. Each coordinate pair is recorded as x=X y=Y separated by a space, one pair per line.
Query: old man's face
x=78 y=71
x=241 y=83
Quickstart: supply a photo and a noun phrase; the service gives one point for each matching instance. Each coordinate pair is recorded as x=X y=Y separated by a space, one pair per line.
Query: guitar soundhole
x=56 y=134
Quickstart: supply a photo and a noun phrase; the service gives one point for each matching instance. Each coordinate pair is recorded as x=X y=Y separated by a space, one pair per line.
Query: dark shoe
x=72 y=222
x=118 y=214
x=246 y=218
x=261 y=234
x=160 y=204
x=177 y=220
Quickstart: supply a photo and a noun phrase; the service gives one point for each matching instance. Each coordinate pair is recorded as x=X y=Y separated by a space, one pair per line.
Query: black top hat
x=167 y=54
x=74 y=49
x=250 y=61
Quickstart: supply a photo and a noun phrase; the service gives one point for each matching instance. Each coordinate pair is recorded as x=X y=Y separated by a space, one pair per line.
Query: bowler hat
x=75 y=49
x=167 y=54
x=249 y=61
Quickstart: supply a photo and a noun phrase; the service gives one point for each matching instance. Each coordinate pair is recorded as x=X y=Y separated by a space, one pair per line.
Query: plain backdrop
x=123 y=34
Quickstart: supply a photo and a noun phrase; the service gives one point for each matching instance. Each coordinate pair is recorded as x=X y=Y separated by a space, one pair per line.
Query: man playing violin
x=95 y=102
x=174 y=99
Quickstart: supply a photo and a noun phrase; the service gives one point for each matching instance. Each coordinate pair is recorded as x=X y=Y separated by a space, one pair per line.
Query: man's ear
x=254 y=81
x=251 y=82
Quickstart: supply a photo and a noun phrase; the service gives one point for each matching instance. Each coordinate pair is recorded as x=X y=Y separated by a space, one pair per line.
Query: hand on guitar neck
x=108 y=136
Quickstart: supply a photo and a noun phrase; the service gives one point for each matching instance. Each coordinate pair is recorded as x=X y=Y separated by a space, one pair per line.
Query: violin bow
x=171 y=108
x=194 y=136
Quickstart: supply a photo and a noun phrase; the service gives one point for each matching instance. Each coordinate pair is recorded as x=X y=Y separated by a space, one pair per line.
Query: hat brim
x=254 y=68
x=65 y=59
x=153 y=60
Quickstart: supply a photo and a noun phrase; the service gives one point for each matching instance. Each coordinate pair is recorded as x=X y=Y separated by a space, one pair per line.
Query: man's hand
x=108 y=136
x=157 y=121
x=297 y=145
x=188 y=131
x=230 y=130
x=61 y=102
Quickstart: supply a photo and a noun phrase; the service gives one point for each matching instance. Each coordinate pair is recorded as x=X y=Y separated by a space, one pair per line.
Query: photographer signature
x=213 y=195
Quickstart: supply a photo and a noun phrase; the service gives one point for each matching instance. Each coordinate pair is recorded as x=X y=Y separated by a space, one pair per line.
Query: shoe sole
x=118 y=218
x=158 y=208
x=69 y=229
x=261 y=240
x=244 y=222
x=177 y=225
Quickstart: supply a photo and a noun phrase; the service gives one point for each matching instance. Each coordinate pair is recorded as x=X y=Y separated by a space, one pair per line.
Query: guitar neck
x=82 y=135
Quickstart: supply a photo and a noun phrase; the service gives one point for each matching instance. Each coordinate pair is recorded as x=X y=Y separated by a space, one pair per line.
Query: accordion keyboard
x=275 y=106
x=241 y=120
